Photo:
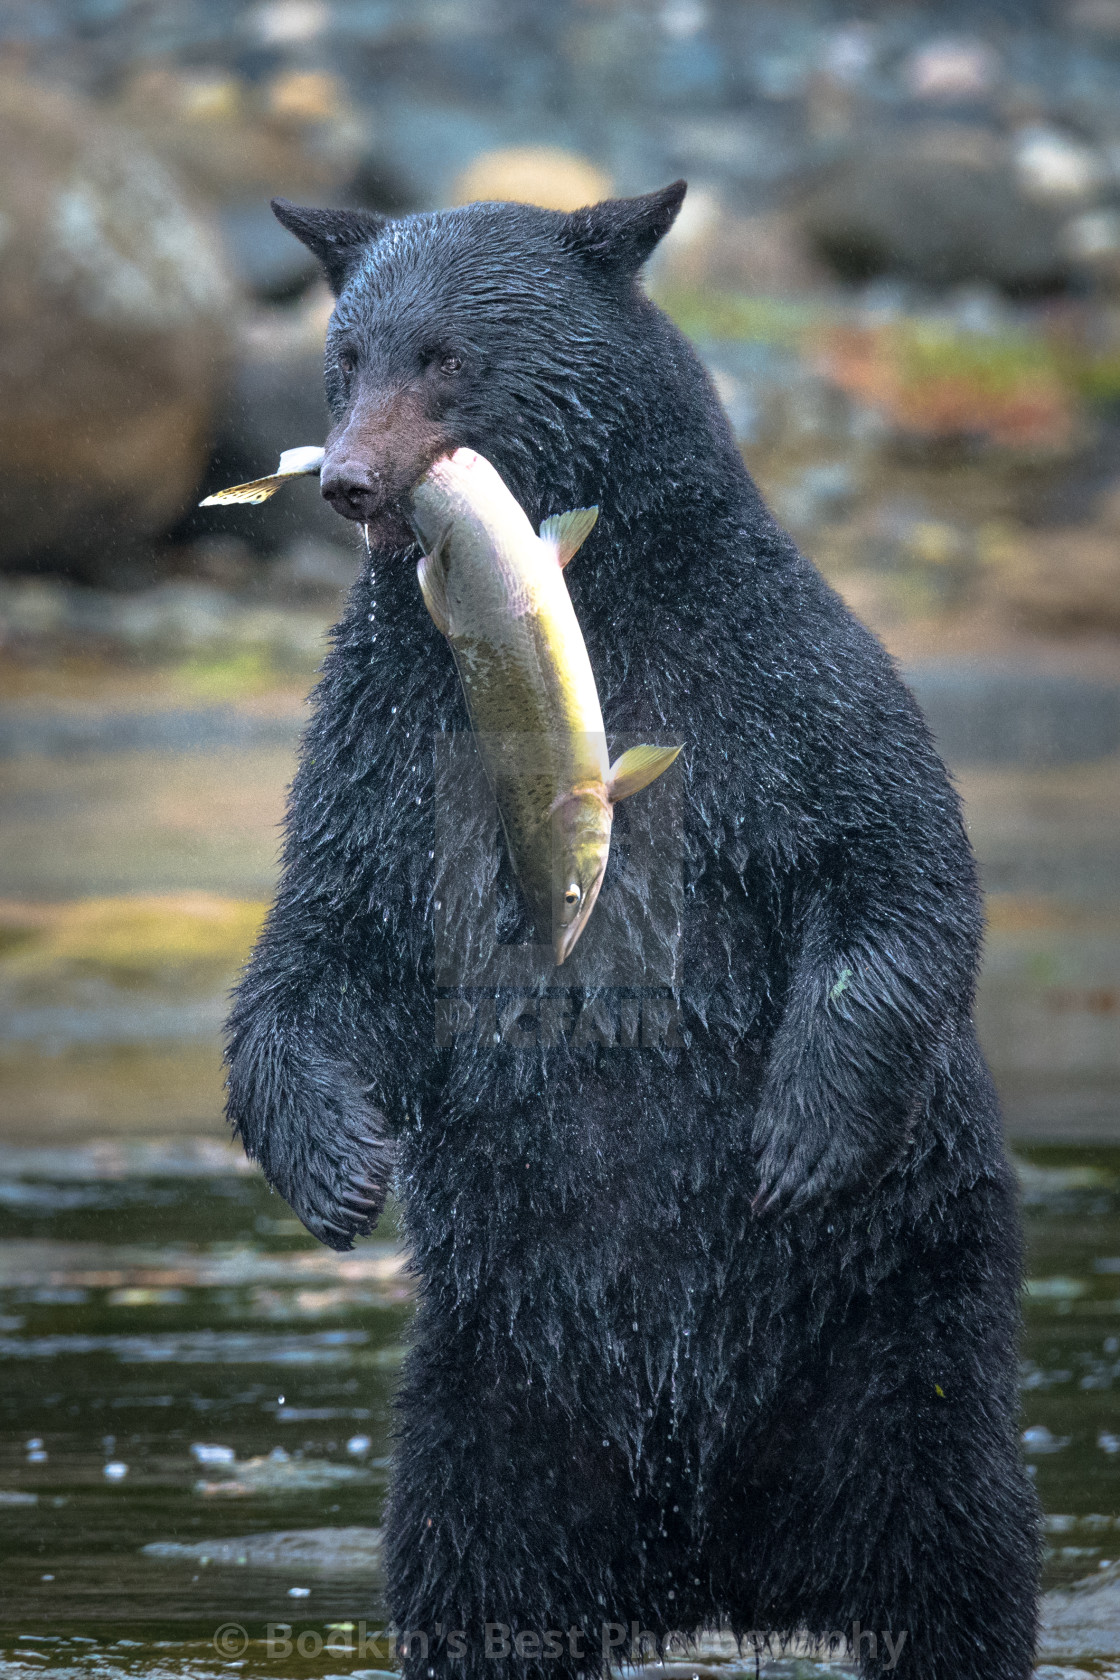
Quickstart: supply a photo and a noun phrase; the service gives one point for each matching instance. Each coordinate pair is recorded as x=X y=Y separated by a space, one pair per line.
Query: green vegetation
x=734 y=315
x=922 y=348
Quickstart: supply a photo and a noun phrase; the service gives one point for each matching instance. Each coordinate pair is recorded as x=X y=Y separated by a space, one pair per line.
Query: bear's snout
x=375 y=456
x=351 y=486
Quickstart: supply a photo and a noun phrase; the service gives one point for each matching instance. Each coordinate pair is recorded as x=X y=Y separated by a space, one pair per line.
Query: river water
x=195 y=1401
x=189 y=1380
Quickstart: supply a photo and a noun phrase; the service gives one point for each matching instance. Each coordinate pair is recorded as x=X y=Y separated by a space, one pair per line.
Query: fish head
x=464 y=489
x=581 y=843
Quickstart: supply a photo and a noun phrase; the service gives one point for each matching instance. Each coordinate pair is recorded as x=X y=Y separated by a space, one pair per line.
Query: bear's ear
x=335 y=236
x=620 y=233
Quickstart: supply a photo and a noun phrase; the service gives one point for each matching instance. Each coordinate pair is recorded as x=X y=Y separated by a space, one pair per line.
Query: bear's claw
x=819 y=1164
x=795 y=1172
x=337 y=1212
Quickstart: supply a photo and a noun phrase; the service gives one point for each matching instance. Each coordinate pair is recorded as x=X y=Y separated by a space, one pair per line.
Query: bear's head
x=501 y=327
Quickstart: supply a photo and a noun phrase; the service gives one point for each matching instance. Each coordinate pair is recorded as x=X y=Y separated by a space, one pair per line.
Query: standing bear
x=716 y=1243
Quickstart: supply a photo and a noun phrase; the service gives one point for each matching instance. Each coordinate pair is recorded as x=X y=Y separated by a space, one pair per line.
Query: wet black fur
x=720 y=1332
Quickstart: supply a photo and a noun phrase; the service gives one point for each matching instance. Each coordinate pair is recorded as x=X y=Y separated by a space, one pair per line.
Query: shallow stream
x=184 y=1368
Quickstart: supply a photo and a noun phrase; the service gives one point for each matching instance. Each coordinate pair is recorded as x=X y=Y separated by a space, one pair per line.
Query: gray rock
x=1082 y=1622
x=1012 y=715
x=278 y=1472
x=314 y=570
x=117 y=302
x=95 y=733
x=174 y=617
x=264 y=257
x=942 y=207
x=273 y=401
x=823 y=491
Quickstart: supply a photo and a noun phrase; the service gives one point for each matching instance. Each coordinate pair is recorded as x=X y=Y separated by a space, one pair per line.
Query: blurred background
x=899 y=257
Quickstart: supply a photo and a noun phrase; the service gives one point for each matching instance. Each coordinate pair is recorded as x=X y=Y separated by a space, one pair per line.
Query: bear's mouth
x=388 y=528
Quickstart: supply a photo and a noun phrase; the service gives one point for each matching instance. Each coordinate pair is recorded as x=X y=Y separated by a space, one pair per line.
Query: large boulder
x=941 y=206
x=711 y=247
x=544 y=175
x=116 y=306
x=238 y=142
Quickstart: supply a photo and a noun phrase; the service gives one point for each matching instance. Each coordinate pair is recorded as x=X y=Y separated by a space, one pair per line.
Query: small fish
x=496 y=591
x=294 y=463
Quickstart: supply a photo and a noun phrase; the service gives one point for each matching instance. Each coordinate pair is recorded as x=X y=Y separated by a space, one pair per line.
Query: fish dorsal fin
x=433 y=587
x=303 y=462
x=637 y=768
x=566 y=531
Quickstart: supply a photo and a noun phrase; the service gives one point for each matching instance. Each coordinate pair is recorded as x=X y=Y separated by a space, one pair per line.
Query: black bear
x=718 y=1257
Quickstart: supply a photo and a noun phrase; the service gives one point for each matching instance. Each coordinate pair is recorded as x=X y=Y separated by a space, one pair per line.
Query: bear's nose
x=351 y=487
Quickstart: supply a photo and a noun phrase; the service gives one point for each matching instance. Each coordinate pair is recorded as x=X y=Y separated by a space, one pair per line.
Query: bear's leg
x=505 y=1512
x=886 y=1498
x=931 y=1570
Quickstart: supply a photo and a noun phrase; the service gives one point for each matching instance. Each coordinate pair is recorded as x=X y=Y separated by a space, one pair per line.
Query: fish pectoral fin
x=433 y=587
x=255 y=491
x=565 y=532
x=637 y=768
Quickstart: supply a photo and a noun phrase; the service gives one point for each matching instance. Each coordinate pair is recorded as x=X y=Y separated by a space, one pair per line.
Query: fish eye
x=451 y=364
x=572 y=894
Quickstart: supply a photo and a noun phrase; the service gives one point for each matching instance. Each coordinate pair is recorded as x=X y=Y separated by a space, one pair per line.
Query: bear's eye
x=346 y=362
x=451 y=364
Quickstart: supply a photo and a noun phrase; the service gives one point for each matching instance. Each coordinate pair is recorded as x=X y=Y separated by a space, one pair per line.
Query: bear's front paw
x=319 y=1140
x=801 y=1164
x=339 y=1192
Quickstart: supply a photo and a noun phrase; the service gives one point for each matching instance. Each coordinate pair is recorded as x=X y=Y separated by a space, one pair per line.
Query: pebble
x=1039 y=1439
x=204 y=1452
x=311 y=1551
